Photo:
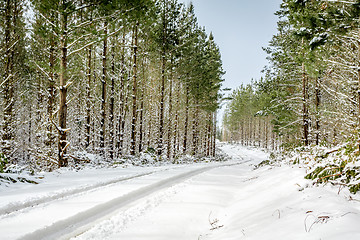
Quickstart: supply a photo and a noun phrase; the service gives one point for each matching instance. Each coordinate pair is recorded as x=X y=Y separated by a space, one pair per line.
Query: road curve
x=83 y=221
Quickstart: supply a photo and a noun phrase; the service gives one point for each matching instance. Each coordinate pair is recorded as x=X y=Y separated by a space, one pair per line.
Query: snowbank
x=207 y=201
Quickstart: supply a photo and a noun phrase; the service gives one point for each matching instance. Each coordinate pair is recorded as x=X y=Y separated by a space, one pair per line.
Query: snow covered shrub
x=325 y=173
x=344 y=174
x=3 y=162
x=151 y=151
x=338 y=166
x=262 y=164
x=147 y=158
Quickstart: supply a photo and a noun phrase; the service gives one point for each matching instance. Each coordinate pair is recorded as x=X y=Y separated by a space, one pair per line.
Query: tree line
x=245 y=120
x=310 y=92
x=113 y=78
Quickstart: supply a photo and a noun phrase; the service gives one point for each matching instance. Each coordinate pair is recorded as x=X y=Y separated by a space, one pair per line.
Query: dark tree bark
x=317 y=110
x=195 y=132
x=134 y=92
x=103 y=93
x=186 y=120
x=112 y=102
x=305 y=110
x=141 y=123
x=63 y=143
x=9 y=74
x=51 y=90
x=169 y=135
x=89 y=99
x=122 y=113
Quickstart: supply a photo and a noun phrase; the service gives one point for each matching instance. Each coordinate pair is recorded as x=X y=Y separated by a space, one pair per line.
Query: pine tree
x=12 y=70
x=145 y=61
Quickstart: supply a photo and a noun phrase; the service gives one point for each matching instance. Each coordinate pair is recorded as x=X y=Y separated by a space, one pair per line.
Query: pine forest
x=308 y=101
x=179 y=119
x=112 y=78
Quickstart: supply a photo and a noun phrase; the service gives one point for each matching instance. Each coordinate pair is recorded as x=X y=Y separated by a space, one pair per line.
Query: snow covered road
x=209 y=201
x=68 y=204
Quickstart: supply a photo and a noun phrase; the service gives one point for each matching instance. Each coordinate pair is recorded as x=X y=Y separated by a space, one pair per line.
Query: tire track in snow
x=17 y=206
x=83 y=221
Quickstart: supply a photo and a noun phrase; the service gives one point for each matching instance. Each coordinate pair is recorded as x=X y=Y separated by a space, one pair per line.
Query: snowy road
x=199 y=201
x=69 y=204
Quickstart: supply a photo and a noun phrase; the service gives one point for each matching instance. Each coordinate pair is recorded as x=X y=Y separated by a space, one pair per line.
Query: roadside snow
x=238 y=202
x=197 y=201
x=275 y=204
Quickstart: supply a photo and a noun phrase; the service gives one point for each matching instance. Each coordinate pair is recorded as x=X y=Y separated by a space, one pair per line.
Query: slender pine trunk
x=195 y=131
x=51 y=93
x=266 y=133
x=175 y=131
x=305 y=110
x=214 y=135
x=88 y=98
x=134 y=92
x=141 y=123
x=317 y=110
x=162 y=99
x=112 y=101
x=8 y=89
x=103 y=93
x=62 y=142
x=209 y=135
x=358 y=73
x=121 y=118
x=186 y=120
x=169 y=134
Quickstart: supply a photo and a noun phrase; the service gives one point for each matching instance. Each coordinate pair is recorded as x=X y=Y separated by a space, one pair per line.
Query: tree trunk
x=195 y=131
x=176 y=122
x=266 y=133
x=112 y=101
x=94 y=143
x=8 y=89
x=317 y=110
x=162 y=92
x=214 y=135
x=88 y=99
x=121 y=119
x=358 y=72
x=186 y=120
x=103 y=93
x=51 y=92
x=169 y=137
x=259 y=132
x=63 y=143
x=141 y=127
x=305 y=111
x=134 y=91
x=209 y=135
x=141 y=123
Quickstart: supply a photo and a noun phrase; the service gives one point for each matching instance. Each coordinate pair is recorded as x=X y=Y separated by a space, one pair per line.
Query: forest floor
x=212 y=201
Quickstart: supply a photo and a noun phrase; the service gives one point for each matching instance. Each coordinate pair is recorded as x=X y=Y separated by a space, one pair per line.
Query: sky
x=241 y=28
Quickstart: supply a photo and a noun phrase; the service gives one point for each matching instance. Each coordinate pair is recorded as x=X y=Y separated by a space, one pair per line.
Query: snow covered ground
x=212 y=201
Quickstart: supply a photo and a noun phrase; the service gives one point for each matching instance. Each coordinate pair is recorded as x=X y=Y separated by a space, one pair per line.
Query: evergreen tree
x=13 y=68
x=108 y=71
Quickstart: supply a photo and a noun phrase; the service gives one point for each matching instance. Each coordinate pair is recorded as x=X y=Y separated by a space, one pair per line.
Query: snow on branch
x=42 y=70
x=7 y=79
x=93 y=42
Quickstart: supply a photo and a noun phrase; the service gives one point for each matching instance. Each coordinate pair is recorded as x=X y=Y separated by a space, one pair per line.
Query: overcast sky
x=241 y=28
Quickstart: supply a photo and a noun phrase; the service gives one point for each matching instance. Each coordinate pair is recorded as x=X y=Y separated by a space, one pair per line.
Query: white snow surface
x=207 y=201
